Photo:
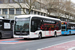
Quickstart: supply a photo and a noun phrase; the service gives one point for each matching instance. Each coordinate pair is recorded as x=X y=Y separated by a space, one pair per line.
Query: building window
x=11 y=1
x=27 y=11
x=38 y=13
x=35 y=12
x=18 y=11
x=44 y=14
x=6 y=1
x=28 y=0
x=25 y=1
x=0 y=11
x=1 y=1
x=11 y=11
x=31 y=12
x=41 y=13
x=4 y=11
x=21 y=1
x=16 y=0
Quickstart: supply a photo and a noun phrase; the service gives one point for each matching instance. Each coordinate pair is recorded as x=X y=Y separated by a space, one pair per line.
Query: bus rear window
x=63 y=28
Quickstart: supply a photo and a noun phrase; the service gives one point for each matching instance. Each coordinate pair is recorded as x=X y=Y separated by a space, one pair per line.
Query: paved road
x=35 y=44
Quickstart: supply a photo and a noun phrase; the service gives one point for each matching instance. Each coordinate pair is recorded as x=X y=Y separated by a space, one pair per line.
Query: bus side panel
x=47 y=33
x=44 y=34
x=50 y=33
x=59 y=32
x=48 y=26
x=65 y=32
x=6 y=34
x=72 y=31
x=68 y=32
x=33 y=35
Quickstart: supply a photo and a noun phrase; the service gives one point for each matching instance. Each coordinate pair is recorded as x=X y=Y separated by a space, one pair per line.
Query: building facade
x=9 y=8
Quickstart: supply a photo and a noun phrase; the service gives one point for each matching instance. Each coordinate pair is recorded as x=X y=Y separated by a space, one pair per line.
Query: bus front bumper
x=15 y=36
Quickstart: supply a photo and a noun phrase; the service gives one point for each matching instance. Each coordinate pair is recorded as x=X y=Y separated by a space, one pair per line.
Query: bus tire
x=55 y=34
x=40 y=35
x=25 y=38
x=12 y=37
x=69 y=32
x=0 y=35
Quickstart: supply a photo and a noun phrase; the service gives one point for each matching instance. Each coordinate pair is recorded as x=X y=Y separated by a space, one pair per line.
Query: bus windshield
x=63 y=28
x=22 y=24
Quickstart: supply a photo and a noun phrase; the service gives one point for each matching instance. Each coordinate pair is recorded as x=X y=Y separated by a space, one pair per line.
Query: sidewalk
x=13 y=41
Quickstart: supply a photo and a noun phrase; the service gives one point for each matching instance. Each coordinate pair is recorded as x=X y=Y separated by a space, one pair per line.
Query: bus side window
x=32 y=22
x=59 y=25
x=35 y=25
x=32 y=26
x=0 y=25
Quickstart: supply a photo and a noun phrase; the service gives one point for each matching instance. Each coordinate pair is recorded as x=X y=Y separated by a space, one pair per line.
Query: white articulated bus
x=36 y=26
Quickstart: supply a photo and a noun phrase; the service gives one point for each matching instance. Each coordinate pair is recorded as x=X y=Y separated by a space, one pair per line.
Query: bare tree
x=50 y=7
x=30 y=5
x=53 y=7
x=60 y=7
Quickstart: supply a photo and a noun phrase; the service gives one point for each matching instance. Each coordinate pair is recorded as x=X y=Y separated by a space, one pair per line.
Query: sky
x=73 y=1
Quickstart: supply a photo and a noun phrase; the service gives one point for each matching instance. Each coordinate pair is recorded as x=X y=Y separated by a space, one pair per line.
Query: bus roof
x=69 y=22
x=25 y=16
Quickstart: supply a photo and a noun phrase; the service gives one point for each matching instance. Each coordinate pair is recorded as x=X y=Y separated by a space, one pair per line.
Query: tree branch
x=20 y=6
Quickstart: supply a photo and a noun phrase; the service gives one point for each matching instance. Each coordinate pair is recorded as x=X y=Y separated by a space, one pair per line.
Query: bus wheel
x=55 y=34
x=0 y=35
x=40 y=35
x=12 y=37
x=25 y=38
x=70 y=32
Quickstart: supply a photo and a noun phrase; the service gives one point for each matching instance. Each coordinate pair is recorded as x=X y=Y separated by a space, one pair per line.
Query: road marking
x=7 y=43
x=13 y=41
x=55 y=45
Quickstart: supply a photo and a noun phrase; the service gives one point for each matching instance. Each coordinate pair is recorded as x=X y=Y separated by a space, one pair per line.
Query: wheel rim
x=69 y=32
x=55 y=35
x=39 y=36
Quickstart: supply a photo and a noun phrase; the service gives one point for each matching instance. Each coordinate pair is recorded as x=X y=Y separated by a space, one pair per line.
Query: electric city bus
x=6 y=30
x=68 y=28
x=36 y=26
